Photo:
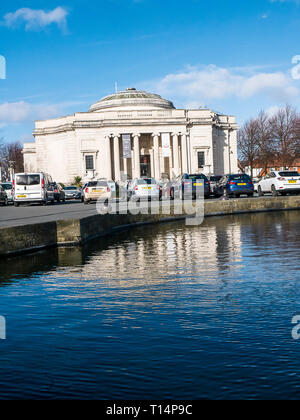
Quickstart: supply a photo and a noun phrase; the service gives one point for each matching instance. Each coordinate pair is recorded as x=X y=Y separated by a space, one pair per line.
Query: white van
x=32 y=188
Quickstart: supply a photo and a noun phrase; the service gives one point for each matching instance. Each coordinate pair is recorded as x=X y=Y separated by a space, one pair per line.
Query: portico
x=132 y=134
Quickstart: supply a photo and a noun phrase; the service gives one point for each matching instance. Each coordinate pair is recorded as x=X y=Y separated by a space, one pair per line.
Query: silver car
x=72 y=193
x=144 y=189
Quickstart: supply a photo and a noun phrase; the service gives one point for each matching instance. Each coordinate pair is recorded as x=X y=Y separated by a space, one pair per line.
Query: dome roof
x=132 y=98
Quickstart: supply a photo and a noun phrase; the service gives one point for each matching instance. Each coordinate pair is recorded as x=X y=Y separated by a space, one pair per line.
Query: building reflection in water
x=160 y=253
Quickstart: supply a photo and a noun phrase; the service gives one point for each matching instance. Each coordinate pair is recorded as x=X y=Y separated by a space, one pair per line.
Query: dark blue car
x=235 y=185
x=189 y=186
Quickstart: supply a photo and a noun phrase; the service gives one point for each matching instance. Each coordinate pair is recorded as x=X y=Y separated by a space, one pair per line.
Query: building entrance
x=145 y=166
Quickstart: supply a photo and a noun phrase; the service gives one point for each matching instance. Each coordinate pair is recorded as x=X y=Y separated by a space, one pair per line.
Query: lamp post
x=11 y=164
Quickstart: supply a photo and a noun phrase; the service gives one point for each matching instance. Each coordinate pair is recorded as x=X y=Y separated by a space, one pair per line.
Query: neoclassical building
x=133 y=133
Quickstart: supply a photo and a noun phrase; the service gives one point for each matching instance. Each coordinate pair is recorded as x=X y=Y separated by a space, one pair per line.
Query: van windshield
x=28 y=180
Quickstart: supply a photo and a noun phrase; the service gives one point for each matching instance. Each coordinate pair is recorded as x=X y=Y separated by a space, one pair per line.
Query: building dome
x=132 y=98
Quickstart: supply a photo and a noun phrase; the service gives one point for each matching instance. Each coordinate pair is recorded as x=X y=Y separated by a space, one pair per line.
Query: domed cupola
x=132 y=98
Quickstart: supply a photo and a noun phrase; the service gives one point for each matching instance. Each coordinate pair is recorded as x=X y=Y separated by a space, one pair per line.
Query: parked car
x=213 y=181
x=8 y=186
x=144 y=189
x=96 y=190
x=188 y=186
x=82 y=192
x=72 y=193
x=59 y=194
x=32 y=188
x=235 y=185
x=3 y=196
x=280 y=182
x=255 y=183
x=167 y=190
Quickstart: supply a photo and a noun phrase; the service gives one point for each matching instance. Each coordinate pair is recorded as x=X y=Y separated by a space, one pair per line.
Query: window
x=289 y=173
x=28 y=180
x=201 y=159
x=89 y=162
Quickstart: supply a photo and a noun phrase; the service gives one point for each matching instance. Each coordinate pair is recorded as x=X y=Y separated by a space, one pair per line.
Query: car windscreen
x=215 y=178
x=147 y=181
x=7 y=186
x=70 y=189
x=195 y=176
x=245 y=178
x=97 y=184
x=290 y=173
x=28 y=180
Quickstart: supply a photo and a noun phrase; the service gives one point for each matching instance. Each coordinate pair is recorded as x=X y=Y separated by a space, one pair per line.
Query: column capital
x=156 y=134
x=116 y=135
x=175 y=134
x=136 y=135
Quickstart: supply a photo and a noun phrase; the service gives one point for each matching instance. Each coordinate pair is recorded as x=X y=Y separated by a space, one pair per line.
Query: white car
x=8 y=186
x=144 y=189
x=97 y=190
x=279 y=182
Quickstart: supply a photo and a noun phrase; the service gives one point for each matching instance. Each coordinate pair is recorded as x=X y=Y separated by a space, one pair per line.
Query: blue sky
x=232 y=56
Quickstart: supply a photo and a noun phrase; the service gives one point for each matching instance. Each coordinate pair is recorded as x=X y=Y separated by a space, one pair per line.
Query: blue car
x=235 y=185
x=188 y=186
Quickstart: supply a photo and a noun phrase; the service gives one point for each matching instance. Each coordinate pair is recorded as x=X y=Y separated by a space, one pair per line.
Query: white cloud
x=199 y=84
x=19 y=112
x=36 y=19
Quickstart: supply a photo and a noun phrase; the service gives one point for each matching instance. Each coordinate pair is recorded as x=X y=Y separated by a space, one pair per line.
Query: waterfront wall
x=72 y=232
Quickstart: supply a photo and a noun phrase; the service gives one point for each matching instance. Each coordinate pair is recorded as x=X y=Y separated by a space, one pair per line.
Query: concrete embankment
x=33 y=237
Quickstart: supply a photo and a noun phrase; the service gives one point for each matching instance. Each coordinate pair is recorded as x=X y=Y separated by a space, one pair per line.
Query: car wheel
x=86 y=202
x=274 y=191
x=237 y=195
x=260 y=192
x=16 y=204
x=283 y=194
x=250 y=195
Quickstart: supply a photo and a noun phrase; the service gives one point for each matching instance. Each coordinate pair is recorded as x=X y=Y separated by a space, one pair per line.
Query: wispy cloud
x=195 y=85
x=19 y=112
x=34 y=19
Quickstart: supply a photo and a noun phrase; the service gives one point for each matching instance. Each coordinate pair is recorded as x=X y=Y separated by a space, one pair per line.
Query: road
x=32 y=214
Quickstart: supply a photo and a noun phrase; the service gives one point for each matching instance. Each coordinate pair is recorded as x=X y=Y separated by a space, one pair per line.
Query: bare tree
x=266 y=146
x=11 y=156
x=285 y=135
x=248 y=143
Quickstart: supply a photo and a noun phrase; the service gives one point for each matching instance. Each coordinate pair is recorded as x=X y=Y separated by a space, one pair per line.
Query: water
x=158 y=312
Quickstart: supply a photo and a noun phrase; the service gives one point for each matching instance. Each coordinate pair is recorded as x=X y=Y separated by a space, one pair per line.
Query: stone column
x=136 y=152
x=152 y=163
x=117 y=158
x=184 y=153
x=156 y=156
x=176 y=154
x=108 y=158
